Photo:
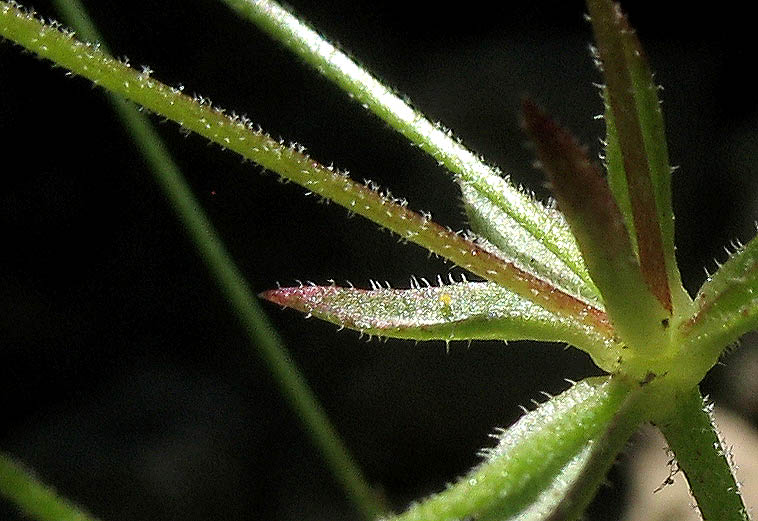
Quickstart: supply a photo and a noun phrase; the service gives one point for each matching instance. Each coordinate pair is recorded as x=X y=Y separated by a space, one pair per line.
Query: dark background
x=125 y=381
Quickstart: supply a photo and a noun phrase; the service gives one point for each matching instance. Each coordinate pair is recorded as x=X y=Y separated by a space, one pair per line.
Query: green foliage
x=519 y=480
x=492 y=222
x=454 y=311
x=601 y=274
x=693 y=437
x=586 y=200
x=35 y=499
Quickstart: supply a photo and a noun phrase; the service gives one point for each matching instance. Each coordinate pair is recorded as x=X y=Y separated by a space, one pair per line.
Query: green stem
x=692 y=436
x=235 y=288
x=291 y=162
x=34 y=498
x=338 y=67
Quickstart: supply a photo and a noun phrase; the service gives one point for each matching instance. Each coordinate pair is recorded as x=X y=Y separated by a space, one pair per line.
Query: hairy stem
x=701 y=454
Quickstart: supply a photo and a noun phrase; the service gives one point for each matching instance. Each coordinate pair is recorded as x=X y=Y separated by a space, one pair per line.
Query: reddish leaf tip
x=295 y=297
x=588 y=204
x=565 y=161
x=273 y=295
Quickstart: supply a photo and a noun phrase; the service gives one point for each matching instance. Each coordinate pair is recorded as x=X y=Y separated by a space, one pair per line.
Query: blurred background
x=124 y=379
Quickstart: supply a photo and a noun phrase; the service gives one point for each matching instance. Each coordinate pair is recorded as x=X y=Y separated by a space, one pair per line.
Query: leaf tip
x=296 y=297
x=561 y=156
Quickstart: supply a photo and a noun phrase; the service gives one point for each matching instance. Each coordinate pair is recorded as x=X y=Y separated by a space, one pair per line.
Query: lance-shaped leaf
x=291 y=162
x=638 y=165
x=548 y=464
x=586 y=201
x=528 y=216
x=491 y=221
x=726 y=307
x=458 y=311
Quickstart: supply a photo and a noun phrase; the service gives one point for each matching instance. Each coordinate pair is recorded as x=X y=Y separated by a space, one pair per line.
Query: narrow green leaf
x=614 y=165
x=578 y=482
x=457 y=311
x=586 y=201
x=231 y=282
x=238 y=134
x=530 y=215
x=35 y=499
x=693 y=437
x=726 y=307
x=490 y=221
x=638 y=164
x=531 y=473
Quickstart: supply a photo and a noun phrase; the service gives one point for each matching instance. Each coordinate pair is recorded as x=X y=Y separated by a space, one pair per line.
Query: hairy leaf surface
x=726 y=307
x=530 y=475
x=530 y=216
x=590 y=209
x=637 y=157
x=459 y=311
x=237 y=134
x=491 y=221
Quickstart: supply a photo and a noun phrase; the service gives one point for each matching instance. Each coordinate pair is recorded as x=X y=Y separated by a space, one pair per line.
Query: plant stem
x=235 y=288
x=700 y=453
x=35 y=499
x=338 y=67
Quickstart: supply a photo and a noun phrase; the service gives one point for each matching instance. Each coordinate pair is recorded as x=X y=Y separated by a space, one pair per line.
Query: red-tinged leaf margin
x=395 y=110
x=586 y=201
x=239 y=135
x=725 y=308
x=455 y=311
x=502 y=232
x=611 y=28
